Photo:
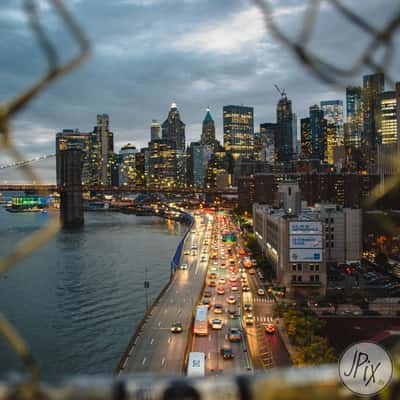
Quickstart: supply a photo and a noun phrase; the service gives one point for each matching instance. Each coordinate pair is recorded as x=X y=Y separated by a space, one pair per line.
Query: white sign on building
x=305 y=242
x=305 y=255
x=305 y=228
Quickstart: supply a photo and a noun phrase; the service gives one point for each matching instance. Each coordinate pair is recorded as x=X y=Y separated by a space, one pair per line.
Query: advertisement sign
x=305 y=227
x=305 y=255
x=305 y=242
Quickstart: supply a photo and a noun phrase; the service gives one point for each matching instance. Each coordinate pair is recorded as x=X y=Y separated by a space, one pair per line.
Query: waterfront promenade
x=156 y=349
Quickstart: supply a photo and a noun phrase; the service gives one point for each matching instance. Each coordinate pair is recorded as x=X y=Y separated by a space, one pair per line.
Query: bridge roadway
x=157 y=350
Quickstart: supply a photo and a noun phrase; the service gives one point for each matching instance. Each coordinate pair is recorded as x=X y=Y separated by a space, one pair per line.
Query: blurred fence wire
x=8 y=110
x=381 y=41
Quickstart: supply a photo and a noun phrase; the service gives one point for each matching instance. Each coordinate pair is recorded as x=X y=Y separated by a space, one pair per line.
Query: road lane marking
x=169 y=340
x=152 y=341
x=163 y=361
x=144 y=360
x=159 y=324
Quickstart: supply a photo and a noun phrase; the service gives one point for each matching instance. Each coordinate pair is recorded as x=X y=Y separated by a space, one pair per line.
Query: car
x=234 y=335
x=176 y=327
x=234 y=289
x=218 y=308
x=220 y=290
x=233 y=278
x=183 y=266
x=216 y=323
x=212 y=275
x=248 y=307
x=186 y=253
x=261 y=292
x=231 y=300
x=194 y=247
x=193 y=252
x=270 y=329
x=227 y=353
x=222 y=281
x=245 y=288
x=249 y=319
x=212 y=284
x=206 y=302
x=251 y=271
x=207 y=293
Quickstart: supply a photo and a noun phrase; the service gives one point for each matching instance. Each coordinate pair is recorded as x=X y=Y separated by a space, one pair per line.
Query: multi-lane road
x=157 y=349
x=208 y=259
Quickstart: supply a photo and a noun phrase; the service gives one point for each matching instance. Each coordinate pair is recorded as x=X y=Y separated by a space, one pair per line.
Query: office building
x=354 y=124
x=333 y=113
x=173 y=129
x=101 y=152
x=162 y=164
x=264 y=142
x=198 y=157
x=387 y=118
x=239 y=131
x=373 y=86
x=155 y=130
x=284 y=130
x=127 y=165
x=72 y=138
x=208 y=130
x=219 y=169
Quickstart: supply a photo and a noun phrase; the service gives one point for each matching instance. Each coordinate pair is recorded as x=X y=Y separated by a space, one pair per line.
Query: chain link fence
x=315 y=383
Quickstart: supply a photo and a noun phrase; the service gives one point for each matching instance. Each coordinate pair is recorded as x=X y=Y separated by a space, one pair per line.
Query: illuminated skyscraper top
x=173 y=129
x=208 y=129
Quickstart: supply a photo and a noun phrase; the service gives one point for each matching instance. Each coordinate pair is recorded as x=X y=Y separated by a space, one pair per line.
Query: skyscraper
x=127 y=166
x=306 y=146
x=101 y=152
x=387 y=118
x=373 y=86
x=198 y=158
x=155 y=130
x=354 y=117
x=208 y=130
x=173 y=129
x=333 y=113
x=264 y=142
x=284 y=130
x=162 y=164
x=239 y=131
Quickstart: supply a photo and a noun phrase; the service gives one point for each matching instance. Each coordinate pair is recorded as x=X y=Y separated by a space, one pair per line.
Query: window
x=312 y=278
x=311 y=267
x=299 y=278
x=317 y=278
x=317 y=268
x=293 y=278
x=299 y=267
x=294 y=267
x=331 y=220
x=332 y=237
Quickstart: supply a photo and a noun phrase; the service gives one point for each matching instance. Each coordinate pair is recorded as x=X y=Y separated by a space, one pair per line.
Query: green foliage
x=302 y=331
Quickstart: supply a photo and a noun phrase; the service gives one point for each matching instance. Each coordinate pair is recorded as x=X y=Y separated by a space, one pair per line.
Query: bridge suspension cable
x=21 y=163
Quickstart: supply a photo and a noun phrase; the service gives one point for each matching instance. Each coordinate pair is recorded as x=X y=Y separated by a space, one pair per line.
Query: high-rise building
x=387 y=118
x=239 y=131
x=162 y=164
x=354 y=127
x=70 y=138
x=198 y=158
x=173 y=129
x=306 y=146
x=373 y=86
x=318 y=126
x=127 y=165
x=208 y=130
x=264 y=142
x=284 y=130
x=155 y=130
x=101 y=152
x=333 y=113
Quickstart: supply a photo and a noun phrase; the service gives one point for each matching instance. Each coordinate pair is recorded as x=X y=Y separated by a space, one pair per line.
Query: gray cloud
x=147 y=53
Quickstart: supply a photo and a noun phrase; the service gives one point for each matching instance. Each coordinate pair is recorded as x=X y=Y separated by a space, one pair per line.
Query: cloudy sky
x=146 y=53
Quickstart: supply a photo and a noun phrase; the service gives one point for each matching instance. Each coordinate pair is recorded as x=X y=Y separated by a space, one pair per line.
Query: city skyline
x=139 y=83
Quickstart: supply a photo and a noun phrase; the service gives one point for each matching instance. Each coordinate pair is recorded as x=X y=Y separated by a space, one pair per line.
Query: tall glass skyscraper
x=354 y=123
x=208 y=130
x=155 y=130
x=333 y=113
x=284 y=130
x=173 y=129
x=239 y=131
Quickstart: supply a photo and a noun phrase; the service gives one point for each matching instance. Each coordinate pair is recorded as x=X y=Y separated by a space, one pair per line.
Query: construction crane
x=281 y=92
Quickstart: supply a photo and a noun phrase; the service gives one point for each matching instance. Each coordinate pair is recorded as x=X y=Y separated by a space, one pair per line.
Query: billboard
x=305 y=255
x=305 y=228
x=305 y=242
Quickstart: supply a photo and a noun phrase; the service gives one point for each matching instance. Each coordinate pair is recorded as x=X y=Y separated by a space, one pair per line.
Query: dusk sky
x=148 y=53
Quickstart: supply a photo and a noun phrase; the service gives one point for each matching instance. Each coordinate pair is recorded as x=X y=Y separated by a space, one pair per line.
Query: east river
x=77 y=300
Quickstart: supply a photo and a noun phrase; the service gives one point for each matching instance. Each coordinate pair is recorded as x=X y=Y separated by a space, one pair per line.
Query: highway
x=217 y=338
x=157 y=349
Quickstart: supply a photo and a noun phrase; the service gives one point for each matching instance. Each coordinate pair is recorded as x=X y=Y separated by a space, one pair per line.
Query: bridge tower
x=70 y=188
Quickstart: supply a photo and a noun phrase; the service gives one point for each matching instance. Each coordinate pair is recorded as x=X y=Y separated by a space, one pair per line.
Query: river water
x=77 y=300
